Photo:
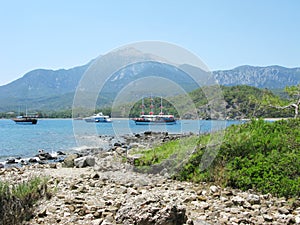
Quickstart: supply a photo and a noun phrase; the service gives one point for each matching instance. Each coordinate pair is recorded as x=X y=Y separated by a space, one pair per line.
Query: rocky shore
x=101 y=188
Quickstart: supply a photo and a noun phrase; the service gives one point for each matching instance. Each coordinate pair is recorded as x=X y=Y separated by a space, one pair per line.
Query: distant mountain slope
x=54 y=89
x=44 y=83
x=271 y=77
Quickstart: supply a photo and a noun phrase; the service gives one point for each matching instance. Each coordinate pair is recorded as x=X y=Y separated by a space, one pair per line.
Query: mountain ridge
x=38 y=88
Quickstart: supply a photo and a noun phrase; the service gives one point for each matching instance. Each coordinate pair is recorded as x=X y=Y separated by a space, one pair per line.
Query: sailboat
x=26 y=119
x=151 y=118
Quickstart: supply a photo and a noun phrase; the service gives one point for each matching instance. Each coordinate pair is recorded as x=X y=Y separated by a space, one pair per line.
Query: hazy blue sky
x=57 y=34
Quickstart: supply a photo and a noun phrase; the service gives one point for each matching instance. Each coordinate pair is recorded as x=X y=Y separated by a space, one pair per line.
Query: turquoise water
x=66 y=135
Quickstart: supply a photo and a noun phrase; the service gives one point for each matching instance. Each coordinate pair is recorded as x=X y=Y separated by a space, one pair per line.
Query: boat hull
x=25 y=121
x=97 y=121
x=97 y=118
x=154 y=122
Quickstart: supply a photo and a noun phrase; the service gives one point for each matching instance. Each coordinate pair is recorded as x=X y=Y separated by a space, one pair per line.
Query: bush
x=17 y=200
x=259 y=155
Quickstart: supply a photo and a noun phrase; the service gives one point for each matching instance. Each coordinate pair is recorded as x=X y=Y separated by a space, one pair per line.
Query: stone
x=53 y=165
x=95 y=176
x=1 y=165
x=297 y=219
x=32 y=160
x=117 y=144
x=133 y=214
x=283 y=210
x=268 y=218
x=84 y=161
x=97 y=221
x=204 y=205
x=11 y=161
x=202 y=198
x=60 y=153
x=237 y=200
x=213 y=189
x=253 y=199
x=45 y=156
x=69 y=160
x=148 y=133
x=42 y=213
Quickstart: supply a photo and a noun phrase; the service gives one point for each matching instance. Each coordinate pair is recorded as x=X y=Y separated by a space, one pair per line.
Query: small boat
x=25 y=119
x=154 y=119
x=98 y=118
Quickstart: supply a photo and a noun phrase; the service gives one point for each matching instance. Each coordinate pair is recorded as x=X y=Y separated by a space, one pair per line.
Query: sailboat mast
x=151 y=105
x=161 y=107
x=143 y=107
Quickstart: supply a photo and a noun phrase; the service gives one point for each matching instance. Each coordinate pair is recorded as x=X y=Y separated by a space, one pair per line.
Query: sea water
x=65 y=135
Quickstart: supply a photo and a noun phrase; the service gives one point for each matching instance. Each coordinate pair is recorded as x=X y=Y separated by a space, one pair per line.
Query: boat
x=154 y=119
x=98 y=118
x=26 y=119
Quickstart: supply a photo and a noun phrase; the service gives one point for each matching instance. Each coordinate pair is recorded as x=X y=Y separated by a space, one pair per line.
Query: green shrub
x=17 y=200
x=259 y=155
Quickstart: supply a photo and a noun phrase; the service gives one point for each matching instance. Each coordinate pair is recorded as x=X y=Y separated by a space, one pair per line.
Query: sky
x=55 y=34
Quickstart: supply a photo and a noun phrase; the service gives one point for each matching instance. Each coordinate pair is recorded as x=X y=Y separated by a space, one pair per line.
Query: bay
x=65 y=135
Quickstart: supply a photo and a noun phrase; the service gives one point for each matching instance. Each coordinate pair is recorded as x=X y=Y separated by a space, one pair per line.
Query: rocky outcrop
x=263 y=77
x=84 y=161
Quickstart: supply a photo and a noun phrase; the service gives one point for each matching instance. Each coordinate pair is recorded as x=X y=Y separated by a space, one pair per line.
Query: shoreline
x=106 y=138
x=110 y=191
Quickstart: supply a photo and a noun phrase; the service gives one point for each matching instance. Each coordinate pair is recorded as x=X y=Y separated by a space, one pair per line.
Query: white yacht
x=98 y=118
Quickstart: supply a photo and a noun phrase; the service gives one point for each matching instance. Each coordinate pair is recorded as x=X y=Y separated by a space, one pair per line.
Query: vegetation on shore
x=17 y=200
x=241 y=102
x=259 y=155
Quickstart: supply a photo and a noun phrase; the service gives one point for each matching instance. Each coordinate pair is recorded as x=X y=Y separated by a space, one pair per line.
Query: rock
x=150 y=214
x=253 y=199
x=117 y=144
x=95 y=176
x=1 y=165
x=69 y=160
x=97 y=221
x=84 y=161
x=237 y=200
x=60 y=153
x=213 y=189
x=297 y=219
x=132 y=159
x=11 y=161
x=43 y=213
x=121 y=150
x=53 y=165
x=200 y=222
x=45 y=156
x=204 y=205
x=202 y=198
x=283 y=210
x=148 y=133
x=32 y=160
x=268 y=218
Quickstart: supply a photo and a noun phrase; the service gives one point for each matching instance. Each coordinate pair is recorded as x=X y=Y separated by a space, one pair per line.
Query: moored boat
x=154 y=119
x=26 y=119
x=98 y=118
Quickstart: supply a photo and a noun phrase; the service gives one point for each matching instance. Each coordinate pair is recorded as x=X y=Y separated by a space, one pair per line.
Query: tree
x=294 y=100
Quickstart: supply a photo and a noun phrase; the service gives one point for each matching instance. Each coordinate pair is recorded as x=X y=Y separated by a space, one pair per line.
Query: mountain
x=271 y=77
x=41 y=89
x=54 y=89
